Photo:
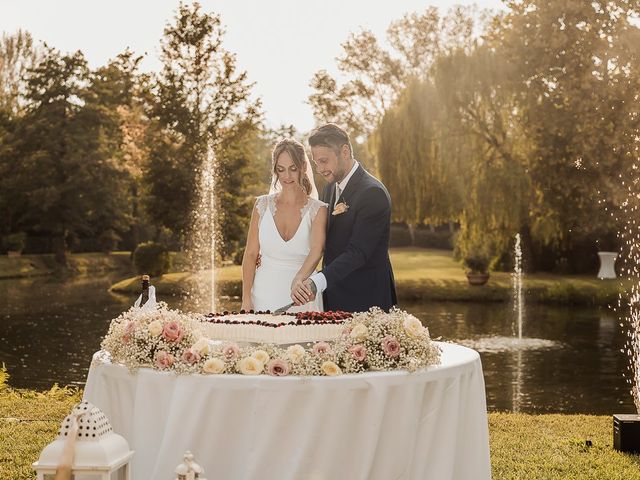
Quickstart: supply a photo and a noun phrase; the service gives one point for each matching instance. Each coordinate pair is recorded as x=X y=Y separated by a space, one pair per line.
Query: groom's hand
x=302 y=292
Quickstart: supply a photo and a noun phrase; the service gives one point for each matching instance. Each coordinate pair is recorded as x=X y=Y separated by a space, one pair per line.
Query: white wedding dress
x=280 y=259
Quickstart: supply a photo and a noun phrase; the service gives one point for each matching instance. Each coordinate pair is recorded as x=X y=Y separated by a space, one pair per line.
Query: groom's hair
x=332 y=136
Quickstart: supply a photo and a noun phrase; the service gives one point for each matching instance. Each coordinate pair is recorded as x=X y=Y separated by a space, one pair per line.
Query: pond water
x=49 y=330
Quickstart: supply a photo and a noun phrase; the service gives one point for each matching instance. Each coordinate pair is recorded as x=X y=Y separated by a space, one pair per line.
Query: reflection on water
x=581 y=373
x=49 y=331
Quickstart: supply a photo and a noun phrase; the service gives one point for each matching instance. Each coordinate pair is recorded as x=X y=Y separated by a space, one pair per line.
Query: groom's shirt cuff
x=320 y=281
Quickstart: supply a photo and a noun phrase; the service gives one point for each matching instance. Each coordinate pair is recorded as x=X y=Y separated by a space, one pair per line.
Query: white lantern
x=98 y=452
x=189 y=469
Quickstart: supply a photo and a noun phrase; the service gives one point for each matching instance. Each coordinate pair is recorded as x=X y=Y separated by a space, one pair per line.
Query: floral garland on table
x=166 y=339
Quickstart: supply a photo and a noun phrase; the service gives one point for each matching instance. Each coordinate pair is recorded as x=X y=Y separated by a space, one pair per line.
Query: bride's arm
x=318 y=235
x=249 y=259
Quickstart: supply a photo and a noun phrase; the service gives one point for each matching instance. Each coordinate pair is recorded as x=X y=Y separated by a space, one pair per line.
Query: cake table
x=431 y=424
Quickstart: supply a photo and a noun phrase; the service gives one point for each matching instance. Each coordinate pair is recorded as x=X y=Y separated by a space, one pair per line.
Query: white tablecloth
x=430 y=424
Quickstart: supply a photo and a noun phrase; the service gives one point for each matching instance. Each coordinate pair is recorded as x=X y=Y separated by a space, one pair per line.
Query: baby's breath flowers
x=166 y=339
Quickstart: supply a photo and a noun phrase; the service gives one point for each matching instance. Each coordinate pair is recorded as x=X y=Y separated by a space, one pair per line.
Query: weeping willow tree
x=415 y=160
x=483 y=121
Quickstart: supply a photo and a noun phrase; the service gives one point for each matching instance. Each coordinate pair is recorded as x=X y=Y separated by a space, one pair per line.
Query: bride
x=287 y=231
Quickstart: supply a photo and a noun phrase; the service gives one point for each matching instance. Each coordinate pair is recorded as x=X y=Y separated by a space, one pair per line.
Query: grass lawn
x=78 y=263
x=426 y=274
x=544 y=447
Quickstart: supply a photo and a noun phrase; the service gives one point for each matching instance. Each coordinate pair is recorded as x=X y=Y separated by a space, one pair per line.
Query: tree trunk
x=60 y=249
x=412 y=233
x=135 y=226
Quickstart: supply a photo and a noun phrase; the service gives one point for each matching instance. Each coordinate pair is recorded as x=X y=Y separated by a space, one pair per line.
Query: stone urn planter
x=477 y=269
x=477 y=279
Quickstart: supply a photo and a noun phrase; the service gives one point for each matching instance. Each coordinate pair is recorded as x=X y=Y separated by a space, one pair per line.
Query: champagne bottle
x=145 y=290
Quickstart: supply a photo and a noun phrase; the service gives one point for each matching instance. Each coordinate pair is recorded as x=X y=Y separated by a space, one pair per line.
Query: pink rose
x=278 y=367
x=347 y=330
x=390 y=346
x=190 y=356
x=172 y=332
x=164 y=360
x=358 y=352
x=230 y=351
x=129 y=329
x=321 y=347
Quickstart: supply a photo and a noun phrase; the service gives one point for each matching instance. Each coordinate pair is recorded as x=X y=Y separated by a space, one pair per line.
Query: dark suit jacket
x=356 y=257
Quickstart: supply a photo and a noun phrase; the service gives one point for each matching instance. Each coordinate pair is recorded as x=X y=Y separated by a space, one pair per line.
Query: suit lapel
x=346 y=195
x=332 y=200
x=352 y=184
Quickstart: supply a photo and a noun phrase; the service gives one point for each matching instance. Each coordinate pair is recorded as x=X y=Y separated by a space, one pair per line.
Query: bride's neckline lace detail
x=269 y=202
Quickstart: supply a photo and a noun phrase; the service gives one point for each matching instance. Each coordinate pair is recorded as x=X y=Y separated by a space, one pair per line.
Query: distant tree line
x=525 y=121
x=98 y=159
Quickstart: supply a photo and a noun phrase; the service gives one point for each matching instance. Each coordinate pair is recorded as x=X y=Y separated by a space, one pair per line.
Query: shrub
x=15 y=242
x=109 y=241
x=442 y=239
x=399 y=236
x=151 y=258
x=477 y=264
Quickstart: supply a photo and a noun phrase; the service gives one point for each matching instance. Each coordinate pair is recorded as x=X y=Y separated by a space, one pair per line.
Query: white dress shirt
x=318 y=278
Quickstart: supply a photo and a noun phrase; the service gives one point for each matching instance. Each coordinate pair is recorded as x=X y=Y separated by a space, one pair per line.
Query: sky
x=280 y=43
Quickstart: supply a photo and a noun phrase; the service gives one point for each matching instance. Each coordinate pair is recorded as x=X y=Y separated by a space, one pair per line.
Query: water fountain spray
x=516 y=283
x=626 y=428
x=203 y=237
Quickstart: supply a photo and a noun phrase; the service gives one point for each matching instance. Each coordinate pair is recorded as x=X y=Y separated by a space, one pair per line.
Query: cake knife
x=282 y=310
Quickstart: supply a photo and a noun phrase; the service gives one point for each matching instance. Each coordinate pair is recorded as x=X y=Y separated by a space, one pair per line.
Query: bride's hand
x=301 y=292
x=297 y=282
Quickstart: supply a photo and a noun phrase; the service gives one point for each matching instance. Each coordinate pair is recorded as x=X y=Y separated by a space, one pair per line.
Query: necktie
x=338 y=193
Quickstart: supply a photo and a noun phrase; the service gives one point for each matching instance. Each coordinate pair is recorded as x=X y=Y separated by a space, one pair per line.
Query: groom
x=356 y=273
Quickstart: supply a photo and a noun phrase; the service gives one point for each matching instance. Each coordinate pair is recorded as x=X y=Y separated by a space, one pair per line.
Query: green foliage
x=423 y=183
x=109 y=240
x=436 y=239
x=375 y=77
x=152 y=259
x=73 y=179
x=477 y=263
x=529 y=130
x=200 y=101
x=15 y=241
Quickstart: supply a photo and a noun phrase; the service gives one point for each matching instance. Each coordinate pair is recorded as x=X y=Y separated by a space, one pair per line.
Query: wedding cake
x=264 y=327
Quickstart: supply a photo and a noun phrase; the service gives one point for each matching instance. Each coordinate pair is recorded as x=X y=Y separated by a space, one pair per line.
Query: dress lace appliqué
x=312 y=206
x=262 y=204
x=265 y=202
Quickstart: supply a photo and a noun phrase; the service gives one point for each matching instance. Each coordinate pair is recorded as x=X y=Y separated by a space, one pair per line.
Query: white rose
x=359 y=332
x=202 y=346
x=213 y=365
x=413 y=326
x=155 y=328
x=250 y=366
x=331 y=369
x=261 y=355
x=295 y=353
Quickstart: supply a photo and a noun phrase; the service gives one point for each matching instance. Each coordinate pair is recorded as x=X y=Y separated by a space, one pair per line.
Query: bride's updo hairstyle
x=296 y=151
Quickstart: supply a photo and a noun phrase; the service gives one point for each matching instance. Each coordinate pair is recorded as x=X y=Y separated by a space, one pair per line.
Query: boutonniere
x=340 y=208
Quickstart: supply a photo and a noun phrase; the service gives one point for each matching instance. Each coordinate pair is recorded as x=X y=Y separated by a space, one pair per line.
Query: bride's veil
x=275 y=186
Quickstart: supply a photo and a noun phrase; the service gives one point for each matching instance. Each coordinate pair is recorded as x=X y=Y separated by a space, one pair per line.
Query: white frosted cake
x=263 y=327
